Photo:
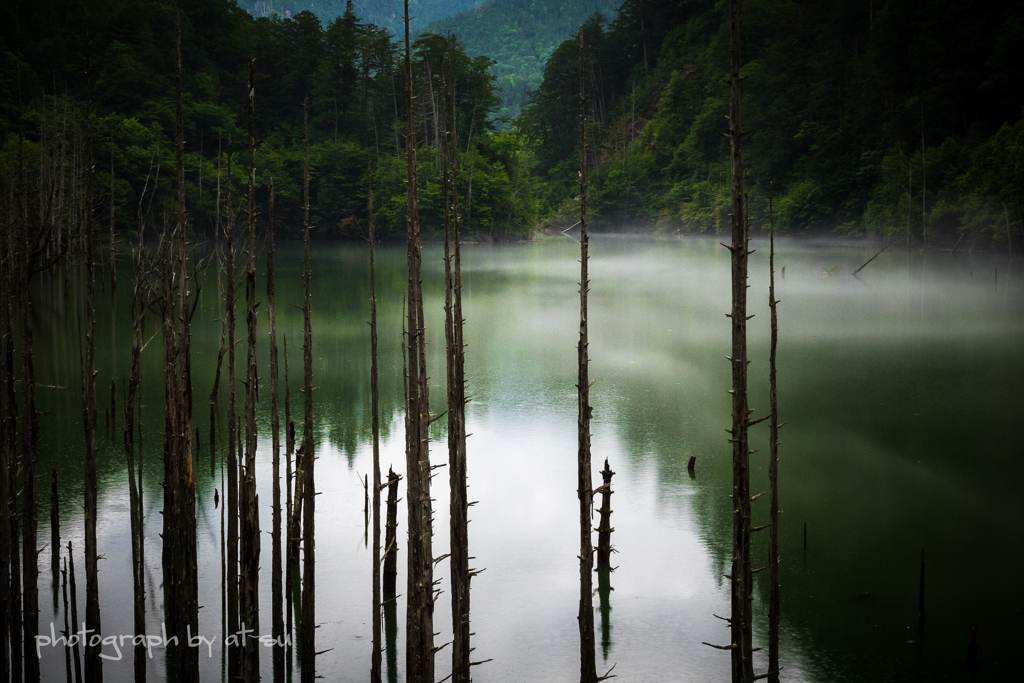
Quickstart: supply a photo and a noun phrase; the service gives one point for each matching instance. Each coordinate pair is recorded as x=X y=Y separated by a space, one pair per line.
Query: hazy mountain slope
x=520 y=35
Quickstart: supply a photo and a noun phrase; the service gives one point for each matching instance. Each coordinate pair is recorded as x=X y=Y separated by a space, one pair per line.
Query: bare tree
x=375 y=658
x=419 y=660
x=249 y=603
x=308 y=539
x=584 y=491
x=275 y=427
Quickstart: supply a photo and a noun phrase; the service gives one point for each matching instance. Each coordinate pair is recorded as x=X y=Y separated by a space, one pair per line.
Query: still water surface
x=903 y=391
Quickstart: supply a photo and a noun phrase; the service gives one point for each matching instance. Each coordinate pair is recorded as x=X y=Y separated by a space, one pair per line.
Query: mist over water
x=901 y=389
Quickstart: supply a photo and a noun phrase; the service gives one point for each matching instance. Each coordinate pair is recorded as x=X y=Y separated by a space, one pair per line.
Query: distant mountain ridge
x=384 y=13
x=520 y=35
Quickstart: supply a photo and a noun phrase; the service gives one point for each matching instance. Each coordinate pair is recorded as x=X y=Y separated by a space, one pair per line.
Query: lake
x=902 y=390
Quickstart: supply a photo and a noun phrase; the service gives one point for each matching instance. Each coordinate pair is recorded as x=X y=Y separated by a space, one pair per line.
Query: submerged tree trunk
x=131 y=409
x=391 y=539
x=419 y=661
x=584 y=491
x=308 y=541
x=232 y=465
x=742 y=610
x=773 y=468
x=459 y=508
x=182 y=569
x=375 y=657
x=54 y=538
x=604 y=528
x=30 y=443
x=8 y=457
x=249 y=604
x=93 y=663
x=275 y=427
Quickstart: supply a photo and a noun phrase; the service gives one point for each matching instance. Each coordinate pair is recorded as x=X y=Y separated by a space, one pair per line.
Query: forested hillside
x=120 y=52
x=865 y=115
x=894 y=117
x=520 y=35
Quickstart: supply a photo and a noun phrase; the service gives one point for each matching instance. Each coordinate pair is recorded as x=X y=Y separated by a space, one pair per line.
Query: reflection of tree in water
x=604 y=591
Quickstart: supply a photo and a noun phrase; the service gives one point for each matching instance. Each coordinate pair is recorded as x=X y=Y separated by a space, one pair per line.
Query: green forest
x=864 y=117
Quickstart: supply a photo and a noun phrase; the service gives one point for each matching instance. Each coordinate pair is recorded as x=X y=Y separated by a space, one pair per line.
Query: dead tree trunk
x=604 y=528
x=250 y=532
x=93 y=663
x=67 y=629
x=54 y=538
x=375 y=658
x=742 y=610
x=584 y=491
x=420 y=651
x=289 y=533
x=232 y=484
x=391 y=539
x=76 y=653
x=459 y=506
x=773 y=467
x=275 y=428
x=132 y=408
x=8 y=457
x=184 y=567
x=308 y=542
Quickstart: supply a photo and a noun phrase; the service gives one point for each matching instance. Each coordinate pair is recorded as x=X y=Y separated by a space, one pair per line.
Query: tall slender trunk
x=604 y=527
x=459 y=509
x=308 y=547
x=54 y=538
x=232 y=465
x=773 y=466
x=184 y=567
x=742 y=611
x=131 y=409
x=375 y=658
x=8 y=457
x=30 y=519
x=93 y=663
x=585 y=493
x=419 y=660
x=275 y=428
x=67 y=627
x=391 y=539
x=76 y=654
x=289 y=447
x=250 y=521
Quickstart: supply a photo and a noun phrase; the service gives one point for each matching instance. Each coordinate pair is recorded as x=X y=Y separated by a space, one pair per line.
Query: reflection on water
x=900 y=389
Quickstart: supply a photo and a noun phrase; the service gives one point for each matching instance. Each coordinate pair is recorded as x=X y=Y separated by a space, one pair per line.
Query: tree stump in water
x=604 y=529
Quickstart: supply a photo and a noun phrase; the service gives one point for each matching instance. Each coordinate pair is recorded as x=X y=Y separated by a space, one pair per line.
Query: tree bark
x=308 y=540
x=375 y=657
x=277 y=596
x=391 y=538
x=93 y=663
x=232 y=468
x=741 y=581
x=604 y=528
x=773 y=467
x=250 y=521
x=459 y=509
x=420 y=651
x=584 y=491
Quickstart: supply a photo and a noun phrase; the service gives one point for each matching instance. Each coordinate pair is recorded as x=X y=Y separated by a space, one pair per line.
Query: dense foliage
x=349 y=72
x=856 y=108
x=902 y=118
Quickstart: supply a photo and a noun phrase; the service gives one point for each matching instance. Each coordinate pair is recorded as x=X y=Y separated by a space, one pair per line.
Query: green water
x=902 y=390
